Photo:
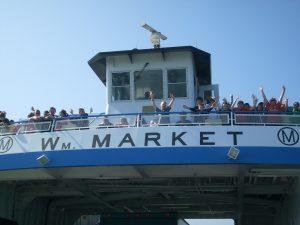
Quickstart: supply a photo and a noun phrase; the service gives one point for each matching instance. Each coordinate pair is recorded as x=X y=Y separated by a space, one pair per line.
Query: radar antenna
x=155 y=35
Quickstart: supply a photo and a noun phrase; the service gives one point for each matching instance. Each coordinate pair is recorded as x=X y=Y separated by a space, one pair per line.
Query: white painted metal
x=83 y=139
x=173 y=60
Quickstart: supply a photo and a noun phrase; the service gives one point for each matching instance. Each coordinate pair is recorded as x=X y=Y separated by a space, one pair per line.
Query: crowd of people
x=236 y=105
x=202 y=106
x=48 y=115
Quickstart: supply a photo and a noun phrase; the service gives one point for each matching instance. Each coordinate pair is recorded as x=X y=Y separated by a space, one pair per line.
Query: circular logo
x=5 y=144
x=288 y=136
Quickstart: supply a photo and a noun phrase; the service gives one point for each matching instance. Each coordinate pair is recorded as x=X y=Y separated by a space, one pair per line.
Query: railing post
x=139 y=120
x=53 y=123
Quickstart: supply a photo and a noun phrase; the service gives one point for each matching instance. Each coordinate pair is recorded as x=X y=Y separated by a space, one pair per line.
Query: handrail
x=167 y=113
x=139 y=120
x=266 y=119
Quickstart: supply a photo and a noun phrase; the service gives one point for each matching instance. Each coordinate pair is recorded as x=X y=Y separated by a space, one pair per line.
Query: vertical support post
x=53 y=124
x=240 y=195
x=139 y=118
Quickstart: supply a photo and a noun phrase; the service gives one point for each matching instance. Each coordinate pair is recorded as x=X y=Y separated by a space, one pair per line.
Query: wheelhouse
x=130 y=75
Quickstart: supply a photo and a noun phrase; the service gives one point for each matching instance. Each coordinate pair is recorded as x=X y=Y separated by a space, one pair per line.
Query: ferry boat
x=125 y=162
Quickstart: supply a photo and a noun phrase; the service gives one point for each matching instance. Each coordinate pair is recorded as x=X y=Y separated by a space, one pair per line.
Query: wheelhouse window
x=146 y=81
x=177 y=82
x=120 y=86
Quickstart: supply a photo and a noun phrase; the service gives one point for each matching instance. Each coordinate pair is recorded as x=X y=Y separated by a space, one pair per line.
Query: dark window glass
x=146 y=81
x=120 y=79
x=179 y=90
x=177 y=82
x=120 y=86
x=120 y=93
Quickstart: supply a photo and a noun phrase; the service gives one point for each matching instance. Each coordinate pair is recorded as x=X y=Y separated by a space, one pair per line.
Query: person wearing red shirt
x=273 y=106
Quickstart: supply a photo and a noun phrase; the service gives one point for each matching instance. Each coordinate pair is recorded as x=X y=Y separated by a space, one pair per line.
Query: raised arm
x=263 y=95
x=171 y=103
x=231 y=99
x=234 y=102
x=281 y=94
x=254 y=101
x=152 y=99
x=285 y=102
x=216 y=104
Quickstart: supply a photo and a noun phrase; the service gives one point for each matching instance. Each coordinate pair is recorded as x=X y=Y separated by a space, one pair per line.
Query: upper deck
x=103 y=140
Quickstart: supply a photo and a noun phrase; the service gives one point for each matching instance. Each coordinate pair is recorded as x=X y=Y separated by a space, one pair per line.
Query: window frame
x=111 y=86
x=163 y=83
x=186 y=81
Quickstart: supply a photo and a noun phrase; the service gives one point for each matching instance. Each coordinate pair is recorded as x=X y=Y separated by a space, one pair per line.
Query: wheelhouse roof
x=201 y=59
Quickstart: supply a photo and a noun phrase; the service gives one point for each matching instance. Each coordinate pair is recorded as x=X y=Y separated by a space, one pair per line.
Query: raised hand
x=151 y=95
x=261 y=88
x=263 y=94
x=281 y=94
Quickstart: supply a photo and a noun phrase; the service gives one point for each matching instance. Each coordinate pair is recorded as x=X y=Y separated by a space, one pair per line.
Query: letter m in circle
x=288 y=136
x=5 y=144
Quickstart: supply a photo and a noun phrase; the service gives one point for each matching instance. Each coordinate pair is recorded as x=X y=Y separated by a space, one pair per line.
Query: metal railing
x=187 y=119
x=25 y=128
x=150 y=120
x=95 y=122
x=266 y=119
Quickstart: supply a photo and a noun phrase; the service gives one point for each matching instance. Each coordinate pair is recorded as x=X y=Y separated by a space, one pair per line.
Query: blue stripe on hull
x=153 y=156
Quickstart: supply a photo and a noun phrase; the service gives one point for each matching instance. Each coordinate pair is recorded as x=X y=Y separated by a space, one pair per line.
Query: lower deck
x=63 y=195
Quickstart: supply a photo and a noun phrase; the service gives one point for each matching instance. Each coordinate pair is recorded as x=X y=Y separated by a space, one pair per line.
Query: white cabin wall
x=173 y=60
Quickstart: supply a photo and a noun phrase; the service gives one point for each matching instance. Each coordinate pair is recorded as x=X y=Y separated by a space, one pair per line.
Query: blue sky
x=45 y=46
